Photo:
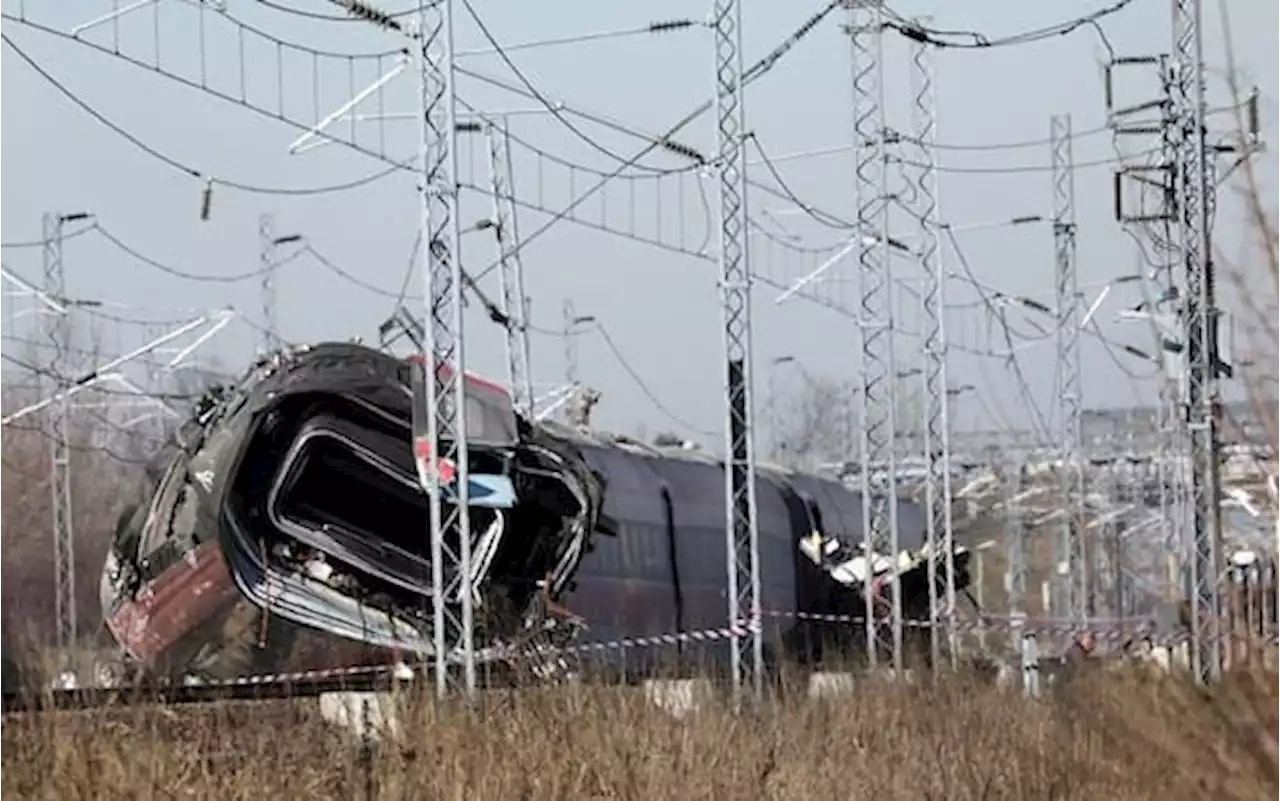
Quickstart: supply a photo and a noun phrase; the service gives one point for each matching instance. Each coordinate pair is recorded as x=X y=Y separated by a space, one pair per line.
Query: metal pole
x=511 y=269
x=63 y=525
x=877 y=364
x=445 y=359
x=741 y=534
x=1200 y=320
x=1075 y=598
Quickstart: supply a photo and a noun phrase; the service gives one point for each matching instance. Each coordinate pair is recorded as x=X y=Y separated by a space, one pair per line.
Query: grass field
x=1128 y=736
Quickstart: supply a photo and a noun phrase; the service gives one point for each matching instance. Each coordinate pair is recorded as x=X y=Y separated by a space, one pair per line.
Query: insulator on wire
x=670 y=25
x=681 y=149
x=1252 y=107
x=364 y=11
x=206 y=200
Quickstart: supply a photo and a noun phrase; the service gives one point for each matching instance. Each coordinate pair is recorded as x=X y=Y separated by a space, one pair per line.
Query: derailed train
x=284 y=528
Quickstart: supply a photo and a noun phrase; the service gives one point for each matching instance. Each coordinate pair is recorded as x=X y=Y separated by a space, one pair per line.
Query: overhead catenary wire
x=643 y=386
x=552 y=108
x=976 y=40
x=760 y=68
x=241 y=101
x=315 y=15
x=185 y=168
x=787 y=191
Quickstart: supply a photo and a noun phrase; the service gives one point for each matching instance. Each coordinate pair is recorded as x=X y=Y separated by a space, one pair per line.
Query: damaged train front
x=287 y=526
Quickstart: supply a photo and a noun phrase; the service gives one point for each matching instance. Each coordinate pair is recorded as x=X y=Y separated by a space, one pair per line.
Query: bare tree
x=814 y=423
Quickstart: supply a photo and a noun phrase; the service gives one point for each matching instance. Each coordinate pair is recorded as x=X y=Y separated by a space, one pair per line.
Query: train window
x=488 y=412
x=488 y=420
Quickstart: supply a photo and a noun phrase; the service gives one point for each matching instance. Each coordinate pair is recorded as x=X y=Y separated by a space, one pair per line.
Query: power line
x=554 y=108
x=979 y=41
x=315 y=15
x=648 y=393
x=277 y=114
x=760 y=68
x=664 y=26
x=1024 y=168
x=184 y=168
x=177 y=273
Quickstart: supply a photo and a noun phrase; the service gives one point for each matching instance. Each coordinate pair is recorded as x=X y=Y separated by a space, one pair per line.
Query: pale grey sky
x=660 y=307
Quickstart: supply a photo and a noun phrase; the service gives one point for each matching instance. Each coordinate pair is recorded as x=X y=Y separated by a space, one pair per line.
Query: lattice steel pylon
x=742 y=544
x=63 y=525
x=570 y=341
x=515 y=305
x=266 y=258
x=453 y=612
x=1195 y=190
x=1015 y=549
x=1074 y=592
x=936 y=412
x=878 y=396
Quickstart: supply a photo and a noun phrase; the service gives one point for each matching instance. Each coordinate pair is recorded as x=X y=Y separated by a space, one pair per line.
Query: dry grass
x=1109 y=737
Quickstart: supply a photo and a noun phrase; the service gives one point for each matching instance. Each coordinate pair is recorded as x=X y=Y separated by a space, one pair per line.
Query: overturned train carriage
x=285 y=528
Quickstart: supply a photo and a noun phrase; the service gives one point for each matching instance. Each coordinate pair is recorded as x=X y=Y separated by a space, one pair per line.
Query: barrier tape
x=312 y=682
x=1103 y=628
x=298 y=677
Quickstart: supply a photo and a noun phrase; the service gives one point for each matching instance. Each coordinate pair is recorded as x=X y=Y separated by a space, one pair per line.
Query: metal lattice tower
x=266 y=257
x=936 y=423
x=63 y=525
x=1074 y=593
x=742 y=543
x=515 y=305
x=569 y=334
x=445 y=358
x=1015 y=548
x=880 y=508
x=1195 y=190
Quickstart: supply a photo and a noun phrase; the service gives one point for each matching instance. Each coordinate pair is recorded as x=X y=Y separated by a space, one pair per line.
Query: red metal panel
x=188 y=595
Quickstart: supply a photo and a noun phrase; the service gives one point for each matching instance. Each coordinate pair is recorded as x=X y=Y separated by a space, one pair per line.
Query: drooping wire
x=315 y=15
x=760 y=68
x=553 y=108
x=276 y=115
x=189 y=276
x=644 y=388
x=917 y=32
x=184 y=168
